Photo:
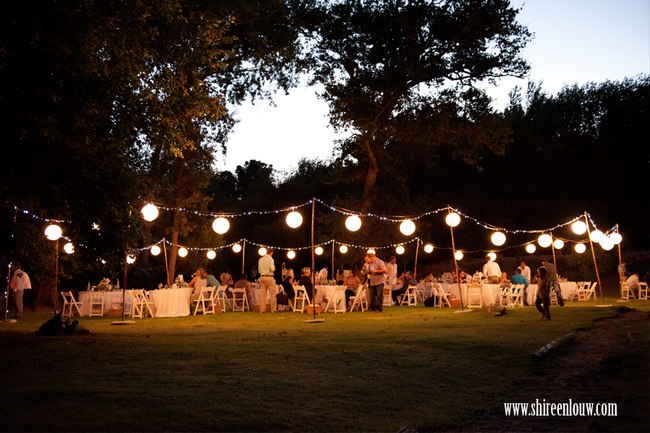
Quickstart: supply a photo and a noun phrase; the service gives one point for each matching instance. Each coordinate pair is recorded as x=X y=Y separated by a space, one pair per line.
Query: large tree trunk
x=371 y=175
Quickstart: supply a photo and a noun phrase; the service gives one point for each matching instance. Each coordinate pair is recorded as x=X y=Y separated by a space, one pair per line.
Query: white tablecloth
x=256 y=294
x=323 y=293
x=112 y=299
x=172 y=302
x=567 y=288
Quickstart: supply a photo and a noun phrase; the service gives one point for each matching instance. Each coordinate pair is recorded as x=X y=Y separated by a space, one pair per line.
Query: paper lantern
x=498 y=238
x=53 y=232
x=428 y=248
x=262 y=251
x=220 y=225
x=149 y=212
x=407 y=227
x=558 y=244
x=596 y=236
x=343 y=249
x=531 y=248
x=236 y=248
x=130 y=259
x=294 y=219
x=400 y=250
x=606 y=243
x=318 y=251
x=211 y=254
x=492 y=256
x=459 y=255
x=68 y=248
x=545 y=240
x=182 y=252
x=155 y=250
x=452 y=219
x=580 y=248
x=616 y=238
x=371 y=251
x=579 y=227
x=353 y=223
x=291 y=254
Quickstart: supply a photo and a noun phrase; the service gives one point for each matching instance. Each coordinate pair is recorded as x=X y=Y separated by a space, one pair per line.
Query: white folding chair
x=503 y=295
x=96 y=300
x=588 y=290
x=70 y=304
x=359 y=300
x=626 y=292
x=410 y=297
x=138 y=304
x=421 y=292
x=388 y=293
x=474 y=296
x=516 y=295
x=204 y=302
x=336 y=300
x=240 y=300
x=643 y=291
x=220 y=298
x=442 y=300
x=301 y=301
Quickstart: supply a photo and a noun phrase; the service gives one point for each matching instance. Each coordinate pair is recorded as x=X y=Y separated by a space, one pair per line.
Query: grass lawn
x=421 y=368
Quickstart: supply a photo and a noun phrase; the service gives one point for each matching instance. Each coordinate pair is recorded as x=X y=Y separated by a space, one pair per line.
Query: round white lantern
x=459 y=255
x=498 y=238
x=262 y=251
x=596 y=236
x=371 y=251
x=155 y=250
x=616 y=238
x=211 y=254
x=579 y=227
x=428 y=248
x=545 y=240
x=580 y=248
x=182 y=252
x=531 y=248
x=318 y=251
x=291 y=254
x=606 y=243
x=407 y=227
x=492 y=256
x=452 y=219
x=236 y=248
x=294 y=219
x=68 y=248
x=130 y=259
x=343 y=249
x=149 y=212
x=558 y=244
x=400 y=250
x=353 y=223
x=220 y=225
x=53 y=232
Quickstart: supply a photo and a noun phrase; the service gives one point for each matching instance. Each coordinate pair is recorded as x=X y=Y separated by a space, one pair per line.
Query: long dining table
x=173 y=302
x=112 y=300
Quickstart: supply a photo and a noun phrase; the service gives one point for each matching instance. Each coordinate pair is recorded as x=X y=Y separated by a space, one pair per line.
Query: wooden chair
x=643 y=291
x=204 y=302
x=360 y=300
x=626 y=292
x=70 y=304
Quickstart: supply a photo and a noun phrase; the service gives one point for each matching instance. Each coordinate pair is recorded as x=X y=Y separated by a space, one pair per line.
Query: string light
x=353 y=223
x=220 y=225
x=155 y=250
x=294 y=219
x=452 y=219
x=459 y=255
x=558 y=244
x=531 y=248
x=236 y=248
x=262 y=251
x=53 y=232
x=407 y=227
x=291 y=254
x=498 y=238
x=428 y=248
x=343 y=249
x=400 y=249
x=579 y=227
x=211 y=254
x=149 y=212
x=318 y=251
x=545 y=240
x=580 y=248
x=596 y=236
x=182 y=252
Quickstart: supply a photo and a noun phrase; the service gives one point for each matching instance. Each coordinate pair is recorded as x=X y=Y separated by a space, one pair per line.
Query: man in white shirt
x=391 y=270
x=525 y=270
x=19 y=283
x=491 y=270
x=633 y=282
x=266 y=268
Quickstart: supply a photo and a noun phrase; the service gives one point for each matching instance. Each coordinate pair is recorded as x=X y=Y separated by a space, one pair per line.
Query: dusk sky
x=575 y=42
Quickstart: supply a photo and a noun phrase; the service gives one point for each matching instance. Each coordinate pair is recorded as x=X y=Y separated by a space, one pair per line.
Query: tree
x=380 y=59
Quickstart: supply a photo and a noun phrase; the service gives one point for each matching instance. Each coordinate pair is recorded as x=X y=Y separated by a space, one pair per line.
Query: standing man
x=376 y=281
x=391 y=270
x=491 y=270
x=19 y=283
x=266 y=268
x=551 y=272
x=525 y=271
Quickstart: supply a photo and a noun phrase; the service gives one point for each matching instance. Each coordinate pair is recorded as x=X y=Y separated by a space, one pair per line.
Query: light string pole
x=593 y=255
x=453 y=219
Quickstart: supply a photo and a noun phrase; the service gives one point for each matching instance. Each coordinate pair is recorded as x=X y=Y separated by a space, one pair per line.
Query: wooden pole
x=593 y=255
x=169 y=280
x=313 y=257
x=453 y=252
x=243 y=257
x=553 y=250
x=333 y=273
x=620 y=258
x=417 y=249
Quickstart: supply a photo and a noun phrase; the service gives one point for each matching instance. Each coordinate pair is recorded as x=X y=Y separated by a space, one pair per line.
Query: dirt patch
x=607 y=363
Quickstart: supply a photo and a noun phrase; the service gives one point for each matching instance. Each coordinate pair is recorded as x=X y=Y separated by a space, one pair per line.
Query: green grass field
x=422 y=368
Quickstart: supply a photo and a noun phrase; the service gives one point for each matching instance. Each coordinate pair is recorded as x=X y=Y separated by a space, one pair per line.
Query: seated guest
x=210 y=279
x=226 y=280
x=340 y=277
x=197 y=282
x=352 y=283
x=518 y=278
x=503 y=279
x=404 y=281
x=305 y=281
x=243 y=283
x=288 y=283
x=633 y=282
